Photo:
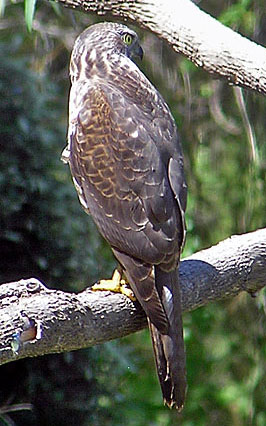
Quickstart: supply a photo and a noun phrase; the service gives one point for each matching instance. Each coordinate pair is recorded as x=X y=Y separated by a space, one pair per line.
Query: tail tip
x=176 y=399
x=174 y=404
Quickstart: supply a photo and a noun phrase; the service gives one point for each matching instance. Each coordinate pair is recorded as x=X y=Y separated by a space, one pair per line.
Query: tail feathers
x=170 y=365
x=169 y=348
x=159 y=296
x=141 y=280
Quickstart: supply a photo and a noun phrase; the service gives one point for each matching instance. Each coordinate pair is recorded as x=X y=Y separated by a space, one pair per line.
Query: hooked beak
x=134 y=51
x=139 y=52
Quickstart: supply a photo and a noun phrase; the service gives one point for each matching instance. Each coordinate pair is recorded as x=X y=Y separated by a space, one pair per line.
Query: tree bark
x=35 y=320
x=205 y=41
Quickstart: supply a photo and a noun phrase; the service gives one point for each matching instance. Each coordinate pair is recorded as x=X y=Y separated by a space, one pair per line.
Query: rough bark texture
x=192 y=32
x=35 y=320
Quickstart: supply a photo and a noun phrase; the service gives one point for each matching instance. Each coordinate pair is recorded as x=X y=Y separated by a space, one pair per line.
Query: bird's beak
x=139 y=52
x=135 y=51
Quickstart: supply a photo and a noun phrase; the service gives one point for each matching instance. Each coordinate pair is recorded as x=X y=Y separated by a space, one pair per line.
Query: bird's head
x=101 y=45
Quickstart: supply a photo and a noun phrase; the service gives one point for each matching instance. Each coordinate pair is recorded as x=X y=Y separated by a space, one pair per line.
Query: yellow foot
x=116 y=284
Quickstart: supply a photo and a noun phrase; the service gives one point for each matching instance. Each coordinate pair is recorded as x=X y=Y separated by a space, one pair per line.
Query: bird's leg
x=117 y=284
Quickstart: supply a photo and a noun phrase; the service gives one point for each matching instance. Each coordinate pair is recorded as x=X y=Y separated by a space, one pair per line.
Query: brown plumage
x=127 y=166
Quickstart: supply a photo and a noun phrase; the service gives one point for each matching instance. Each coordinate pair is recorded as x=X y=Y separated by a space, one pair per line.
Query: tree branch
x=35 y=320
x=190 y=31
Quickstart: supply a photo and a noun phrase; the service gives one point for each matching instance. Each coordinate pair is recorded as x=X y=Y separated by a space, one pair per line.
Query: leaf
x=57 y=8
x=29 y=13
x=2 y=7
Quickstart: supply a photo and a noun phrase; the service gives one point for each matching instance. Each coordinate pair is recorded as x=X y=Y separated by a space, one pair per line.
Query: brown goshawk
x=127 y=166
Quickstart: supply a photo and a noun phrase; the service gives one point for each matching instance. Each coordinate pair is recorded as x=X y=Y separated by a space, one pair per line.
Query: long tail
x=169 y=348
x=160 y=298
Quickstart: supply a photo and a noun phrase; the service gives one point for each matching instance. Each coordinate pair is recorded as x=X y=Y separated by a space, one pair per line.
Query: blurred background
x=44 y=233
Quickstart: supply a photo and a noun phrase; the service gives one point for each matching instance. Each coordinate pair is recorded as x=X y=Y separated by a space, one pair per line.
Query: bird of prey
x=126 y=162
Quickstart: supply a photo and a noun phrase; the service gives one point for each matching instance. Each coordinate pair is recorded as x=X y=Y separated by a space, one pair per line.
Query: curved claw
x=116 y=284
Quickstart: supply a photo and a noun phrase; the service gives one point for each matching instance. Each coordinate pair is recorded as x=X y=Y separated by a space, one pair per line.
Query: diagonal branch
x=35 y=320
x=192 y=32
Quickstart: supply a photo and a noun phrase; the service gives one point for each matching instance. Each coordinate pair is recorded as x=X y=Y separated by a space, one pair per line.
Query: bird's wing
x=120 y=152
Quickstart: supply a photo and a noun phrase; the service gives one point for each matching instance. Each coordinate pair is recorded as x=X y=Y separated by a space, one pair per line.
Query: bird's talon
x=126 y=290
x=116 y=284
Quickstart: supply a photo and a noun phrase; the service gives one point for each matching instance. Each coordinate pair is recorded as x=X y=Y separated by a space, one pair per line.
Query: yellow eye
x=127 y=39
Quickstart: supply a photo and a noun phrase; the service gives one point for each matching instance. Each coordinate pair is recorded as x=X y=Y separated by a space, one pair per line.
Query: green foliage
x=34 y=184
x=29 y=12
x=44 y=233
x=239 y=15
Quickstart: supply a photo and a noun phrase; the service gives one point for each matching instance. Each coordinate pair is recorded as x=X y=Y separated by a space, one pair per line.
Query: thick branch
x=35 y=320
x=204 y=40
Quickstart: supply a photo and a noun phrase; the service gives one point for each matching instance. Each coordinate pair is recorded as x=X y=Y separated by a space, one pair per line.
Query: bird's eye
x=127 y=39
